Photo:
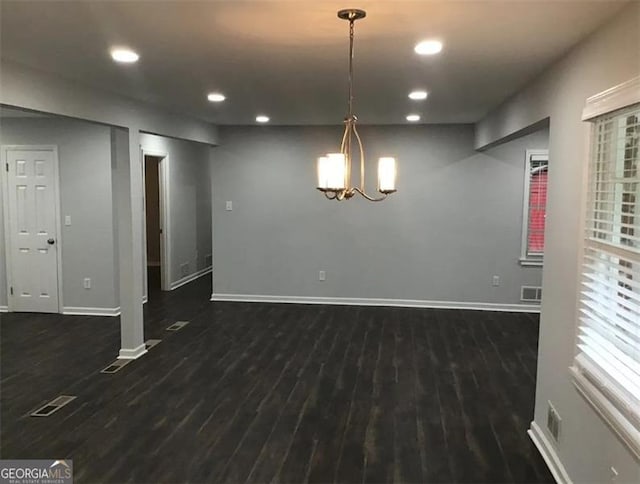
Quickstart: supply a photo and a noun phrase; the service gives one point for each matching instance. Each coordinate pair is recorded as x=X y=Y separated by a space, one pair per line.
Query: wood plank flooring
x=277 y=393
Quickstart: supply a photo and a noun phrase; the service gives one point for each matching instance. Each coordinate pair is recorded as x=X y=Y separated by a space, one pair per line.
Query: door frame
x=4 y=151
x=165 y=219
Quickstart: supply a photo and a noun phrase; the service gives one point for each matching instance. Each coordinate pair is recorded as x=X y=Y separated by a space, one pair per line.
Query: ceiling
x=288 y=59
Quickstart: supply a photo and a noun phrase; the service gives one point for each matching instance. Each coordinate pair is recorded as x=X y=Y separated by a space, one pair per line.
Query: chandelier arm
x=355 y=131
x=371 y=199
x=345 y=149
x=347 y=153
x=347 y=128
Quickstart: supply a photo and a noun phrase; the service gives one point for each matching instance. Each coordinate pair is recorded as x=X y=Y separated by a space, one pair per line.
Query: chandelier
x=334 y=169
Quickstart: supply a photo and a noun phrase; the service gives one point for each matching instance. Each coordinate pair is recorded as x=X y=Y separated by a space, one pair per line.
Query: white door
x=33 y=238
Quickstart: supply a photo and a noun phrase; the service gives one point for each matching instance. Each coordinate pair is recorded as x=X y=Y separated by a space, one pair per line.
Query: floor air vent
x=116 y=366
x=177 y=325
x=53 y=406
x=150 y=343
x=531 y=293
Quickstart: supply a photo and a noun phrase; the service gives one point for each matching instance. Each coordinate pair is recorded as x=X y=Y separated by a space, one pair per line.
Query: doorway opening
x=156 y=250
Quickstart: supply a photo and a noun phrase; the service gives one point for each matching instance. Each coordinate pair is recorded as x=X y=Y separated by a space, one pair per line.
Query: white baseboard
x=80 y=311
x=549 y=454
x=189 y=278
x=132 y=354
x=4 y=309
x=405 y=303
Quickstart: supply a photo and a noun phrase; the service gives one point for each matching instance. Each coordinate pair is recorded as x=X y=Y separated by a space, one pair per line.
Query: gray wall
x=84 y=152
x=587 y=447
x=89 y=244
x=454 y=222
x=190 y=200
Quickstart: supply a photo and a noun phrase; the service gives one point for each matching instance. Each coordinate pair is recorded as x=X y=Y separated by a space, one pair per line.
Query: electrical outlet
x=67 y=220
x=229 y=205
x=322 y=276
x=495 y=281
x=87 y=283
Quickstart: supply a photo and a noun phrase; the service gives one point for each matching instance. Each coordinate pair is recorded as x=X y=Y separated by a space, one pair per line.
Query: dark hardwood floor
x=277 y=393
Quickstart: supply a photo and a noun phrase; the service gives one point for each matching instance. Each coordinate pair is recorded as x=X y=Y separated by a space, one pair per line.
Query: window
x=534 y=207
x=607 y=365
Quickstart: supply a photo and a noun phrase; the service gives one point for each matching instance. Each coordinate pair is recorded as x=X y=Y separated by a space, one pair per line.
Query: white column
x=128 y=188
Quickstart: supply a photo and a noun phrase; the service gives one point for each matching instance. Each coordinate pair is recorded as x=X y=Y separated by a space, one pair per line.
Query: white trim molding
x=530 y=262
x=190 y=278
x=404 y=303
x=610 y=414
x=620 y=96
x=4 y=309
x=132 y=354
x=527 y=259
x=549 y=454
x=82 y=311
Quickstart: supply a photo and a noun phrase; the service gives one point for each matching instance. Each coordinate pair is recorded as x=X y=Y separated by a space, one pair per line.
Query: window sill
x=629 y=435
x=530 y=262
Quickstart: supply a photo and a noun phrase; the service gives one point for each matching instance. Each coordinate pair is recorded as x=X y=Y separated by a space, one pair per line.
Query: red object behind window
x=537 y=211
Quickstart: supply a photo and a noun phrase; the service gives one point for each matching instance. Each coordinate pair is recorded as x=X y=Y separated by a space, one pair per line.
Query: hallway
x=250 y=392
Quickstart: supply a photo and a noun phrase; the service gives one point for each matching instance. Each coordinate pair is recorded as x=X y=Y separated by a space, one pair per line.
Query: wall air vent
x=184 y=269
x=553 y=422
x=531 y=293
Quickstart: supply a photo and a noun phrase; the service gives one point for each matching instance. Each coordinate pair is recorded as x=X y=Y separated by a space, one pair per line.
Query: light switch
x=229 y=205
x=67 y=220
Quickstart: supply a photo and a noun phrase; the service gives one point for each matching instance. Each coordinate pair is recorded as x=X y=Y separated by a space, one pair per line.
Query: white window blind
x=609 y=316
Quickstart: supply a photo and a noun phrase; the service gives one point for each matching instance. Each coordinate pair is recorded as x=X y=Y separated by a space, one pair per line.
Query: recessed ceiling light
x=428 y=47
x=216 y=97
x=262 y=118
x=124 y=55
x=418 y=95
x=412 y=118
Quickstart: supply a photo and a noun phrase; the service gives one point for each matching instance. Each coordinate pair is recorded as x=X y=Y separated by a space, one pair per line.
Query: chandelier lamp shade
x=334 y=169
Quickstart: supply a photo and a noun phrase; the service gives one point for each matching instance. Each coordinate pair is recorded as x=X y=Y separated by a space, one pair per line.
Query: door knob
x=51 y=241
